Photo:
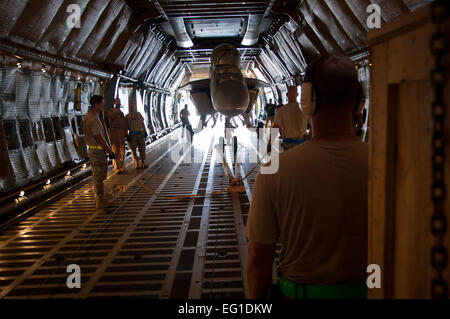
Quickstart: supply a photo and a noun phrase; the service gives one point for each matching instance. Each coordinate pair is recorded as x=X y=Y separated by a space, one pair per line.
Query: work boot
x=123 y=169
x=101 y=202
x=117 y=170
x=143 y=164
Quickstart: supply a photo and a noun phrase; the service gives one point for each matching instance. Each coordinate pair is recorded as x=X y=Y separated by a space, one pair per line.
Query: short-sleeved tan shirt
x=291 y=120
x=92 y=126
x=135 y=122
x=116 y=119
x=316 y=205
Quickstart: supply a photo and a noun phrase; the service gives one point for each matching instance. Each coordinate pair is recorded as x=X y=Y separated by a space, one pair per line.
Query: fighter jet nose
x=230 y=97
x=229 y=92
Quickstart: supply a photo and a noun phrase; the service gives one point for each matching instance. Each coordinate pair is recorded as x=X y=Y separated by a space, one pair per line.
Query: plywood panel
x=400 y=207
x=413 y=204
x=377 y=163
x=409 y=57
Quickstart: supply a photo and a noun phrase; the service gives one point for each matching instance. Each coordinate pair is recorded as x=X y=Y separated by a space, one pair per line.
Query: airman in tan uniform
x=117 y=131
x=136 y=136
x=97 y=150
x=291 y=121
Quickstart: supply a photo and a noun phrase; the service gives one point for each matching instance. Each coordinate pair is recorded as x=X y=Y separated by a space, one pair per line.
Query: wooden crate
x=400 y=205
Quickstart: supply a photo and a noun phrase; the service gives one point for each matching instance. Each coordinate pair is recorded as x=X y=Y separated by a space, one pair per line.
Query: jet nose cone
x=230 y=97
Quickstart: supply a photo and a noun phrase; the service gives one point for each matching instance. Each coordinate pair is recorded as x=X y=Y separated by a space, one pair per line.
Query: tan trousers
x=99 y=166
x=119 y=150
x=117 y=137
x=137 y=141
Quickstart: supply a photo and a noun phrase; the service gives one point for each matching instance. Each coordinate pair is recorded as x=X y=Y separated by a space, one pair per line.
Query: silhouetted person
x=280 y=103
x=270 y=109
x=184 y=115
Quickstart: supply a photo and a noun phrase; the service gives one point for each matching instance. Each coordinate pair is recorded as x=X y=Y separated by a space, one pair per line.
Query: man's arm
x=259 y=268
x=103 y=143
x=262 y=233
x=144 y=128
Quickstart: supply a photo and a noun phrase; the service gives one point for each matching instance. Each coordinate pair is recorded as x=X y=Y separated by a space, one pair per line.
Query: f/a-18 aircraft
x=227 y=91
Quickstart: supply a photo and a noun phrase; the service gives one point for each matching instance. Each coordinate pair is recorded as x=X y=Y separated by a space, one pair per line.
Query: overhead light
x=84 y=166
x=22 y=193
x=43 y=68
x=19 y=64
x=48 y=182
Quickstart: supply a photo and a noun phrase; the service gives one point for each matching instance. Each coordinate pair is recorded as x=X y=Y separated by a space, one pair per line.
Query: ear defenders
x=308 y=101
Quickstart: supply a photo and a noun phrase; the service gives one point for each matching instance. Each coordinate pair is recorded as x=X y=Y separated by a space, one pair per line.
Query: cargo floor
x=153 y=243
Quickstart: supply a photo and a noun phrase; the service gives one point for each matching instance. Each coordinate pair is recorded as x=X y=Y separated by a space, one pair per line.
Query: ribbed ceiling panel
x=11 y=11
x=54 y=37
x=33 y=21
x=127 y=34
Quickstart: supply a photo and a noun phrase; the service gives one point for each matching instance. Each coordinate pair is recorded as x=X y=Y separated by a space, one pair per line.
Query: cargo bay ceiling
x=164 y=43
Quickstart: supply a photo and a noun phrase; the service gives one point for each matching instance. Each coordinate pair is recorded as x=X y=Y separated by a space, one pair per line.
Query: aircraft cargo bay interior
x=257 y=149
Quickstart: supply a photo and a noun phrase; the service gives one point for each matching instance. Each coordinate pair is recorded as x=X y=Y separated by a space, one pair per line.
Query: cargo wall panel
x=70 y=144
x=42 y=154
x=19 y=166
x=34 y=95
x=63 y=152
x=32 y=161
x=53 y=155
x=45 y=100
x=22 y=88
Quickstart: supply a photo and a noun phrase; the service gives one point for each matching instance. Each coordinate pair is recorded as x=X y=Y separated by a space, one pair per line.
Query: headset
x=308 y=95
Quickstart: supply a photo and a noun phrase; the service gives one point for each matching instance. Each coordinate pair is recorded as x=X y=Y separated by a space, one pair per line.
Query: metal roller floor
x=146 y=245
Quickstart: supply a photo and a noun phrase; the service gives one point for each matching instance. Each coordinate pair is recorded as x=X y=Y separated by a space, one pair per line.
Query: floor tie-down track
x=152 y=243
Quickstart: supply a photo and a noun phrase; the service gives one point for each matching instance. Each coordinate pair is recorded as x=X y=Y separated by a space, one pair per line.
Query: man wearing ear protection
x=315 y=205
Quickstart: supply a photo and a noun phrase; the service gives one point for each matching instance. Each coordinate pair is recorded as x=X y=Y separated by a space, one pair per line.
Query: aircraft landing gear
x=235 y=181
